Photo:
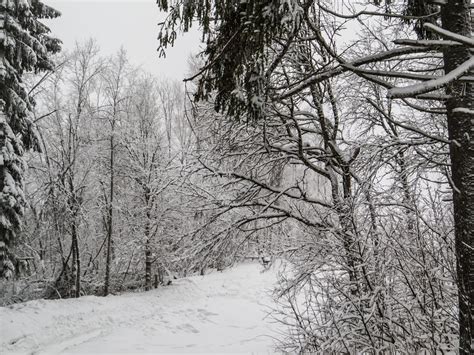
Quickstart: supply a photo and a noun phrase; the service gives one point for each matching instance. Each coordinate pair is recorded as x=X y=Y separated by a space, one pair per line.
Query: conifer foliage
x=25 y=46
x=236 y=56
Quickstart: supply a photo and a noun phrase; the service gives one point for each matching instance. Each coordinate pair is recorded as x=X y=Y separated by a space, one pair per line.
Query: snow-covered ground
x=223 y=312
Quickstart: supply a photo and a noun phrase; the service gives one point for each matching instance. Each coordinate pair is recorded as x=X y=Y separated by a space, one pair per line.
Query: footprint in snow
x=189 y=328
x=206 y=312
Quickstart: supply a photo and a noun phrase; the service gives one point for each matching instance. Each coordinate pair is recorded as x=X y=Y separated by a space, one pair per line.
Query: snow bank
x=216 y=313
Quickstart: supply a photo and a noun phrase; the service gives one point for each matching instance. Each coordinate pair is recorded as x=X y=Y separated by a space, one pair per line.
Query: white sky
x=128 y=23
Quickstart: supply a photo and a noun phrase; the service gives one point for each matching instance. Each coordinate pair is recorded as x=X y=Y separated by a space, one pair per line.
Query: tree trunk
x=344 y=211
x=110 y=212
x=107 y=260
x=456 y=18
x=72 y=292
x=75 y=267
x=76 y=262
x=147 y=265
x=342 y=203
x=73 y=204
x=148 y=260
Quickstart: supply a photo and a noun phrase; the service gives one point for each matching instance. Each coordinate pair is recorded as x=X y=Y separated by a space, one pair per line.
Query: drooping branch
x=431 y=85
x=374 y=13
x=321 y=76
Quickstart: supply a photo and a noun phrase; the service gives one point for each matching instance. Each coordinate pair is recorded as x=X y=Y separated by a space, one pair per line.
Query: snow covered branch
x=450 y=35
x=374 y=13
x=431 y=85
x=330 y=73
x=426 y=43
x=463 y=110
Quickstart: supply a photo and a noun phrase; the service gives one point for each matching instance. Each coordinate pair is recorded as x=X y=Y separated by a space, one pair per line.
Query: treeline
x=105 y=208
x=342 y=157
x=137 y=183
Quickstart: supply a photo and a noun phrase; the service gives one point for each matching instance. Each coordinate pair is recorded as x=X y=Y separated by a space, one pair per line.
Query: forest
x=328 y=142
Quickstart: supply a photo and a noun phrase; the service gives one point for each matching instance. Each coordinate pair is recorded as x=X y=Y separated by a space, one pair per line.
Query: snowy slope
x=217 y=313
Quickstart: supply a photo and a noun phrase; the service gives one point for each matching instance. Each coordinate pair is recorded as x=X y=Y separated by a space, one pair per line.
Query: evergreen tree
x=25 y=46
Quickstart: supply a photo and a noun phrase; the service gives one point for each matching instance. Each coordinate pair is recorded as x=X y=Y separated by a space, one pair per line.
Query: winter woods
x=332 y=135
x=97 y=222
x=373 y=104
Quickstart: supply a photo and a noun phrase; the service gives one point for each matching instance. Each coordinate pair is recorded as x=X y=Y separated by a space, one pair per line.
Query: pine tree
x=25 y=46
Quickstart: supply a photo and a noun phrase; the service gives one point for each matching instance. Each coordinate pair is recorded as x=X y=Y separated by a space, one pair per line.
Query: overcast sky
x=131 y=23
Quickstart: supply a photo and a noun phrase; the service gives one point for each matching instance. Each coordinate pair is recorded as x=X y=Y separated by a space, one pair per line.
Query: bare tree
x=113 y=110
x=66 y=149
x=147 y=162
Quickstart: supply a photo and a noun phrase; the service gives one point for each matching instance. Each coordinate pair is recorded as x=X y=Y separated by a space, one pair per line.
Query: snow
x=434 y=84
x=217 y=313
x=463 y=110
x=449 y=35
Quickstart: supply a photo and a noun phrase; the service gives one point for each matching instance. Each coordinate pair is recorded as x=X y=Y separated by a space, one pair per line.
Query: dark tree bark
x=76 y=258
x=148 y=255
x=456 y=18
x=110 y=209
x=147 y=262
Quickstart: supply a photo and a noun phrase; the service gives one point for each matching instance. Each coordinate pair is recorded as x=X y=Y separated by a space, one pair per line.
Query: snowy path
x=218 y=313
